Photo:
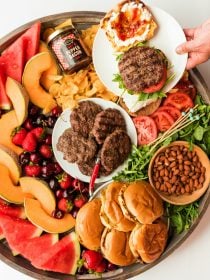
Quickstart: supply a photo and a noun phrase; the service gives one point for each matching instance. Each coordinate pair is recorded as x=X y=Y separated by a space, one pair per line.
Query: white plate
x=63 y=123
x=168 y=36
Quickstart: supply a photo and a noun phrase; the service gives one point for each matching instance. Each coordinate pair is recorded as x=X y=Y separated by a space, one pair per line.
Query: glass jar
x=69 y=49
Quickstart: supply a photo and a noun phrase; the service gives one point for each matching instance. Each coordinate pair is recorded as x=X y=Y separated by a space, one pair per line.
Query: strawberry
x=91 y=259
x=39 y=132
x=65 y=180
x=80 y=200
x=32 y=170
x=30 y=142
x=18 y=135
x=65 y=205
x=46 y=151
x=101 y=267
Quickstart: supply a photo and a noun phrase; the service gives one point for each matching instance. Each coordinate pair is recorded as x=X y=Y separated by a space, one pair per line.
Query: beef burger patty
x=82 y=118
x=106 y=122
x=75 y=147
x=142 y=67
x=115 y=149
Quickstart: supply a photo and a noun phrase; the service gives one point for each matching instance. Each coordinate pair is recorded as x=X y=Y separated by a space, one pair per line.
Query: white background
x=192 y=259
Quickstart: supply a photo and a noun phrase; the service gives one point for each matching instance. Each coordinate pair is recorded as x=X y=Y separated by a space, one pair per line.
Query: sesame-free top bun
x=111 y=213
x=115 y=247
x=88 y=225
x=139 y=202
x=125 y=28
x=148 y=242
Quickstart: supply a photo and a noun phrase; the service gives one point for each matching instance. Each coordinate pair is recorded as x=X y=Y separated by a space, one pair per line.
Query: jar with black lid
x=69 y=49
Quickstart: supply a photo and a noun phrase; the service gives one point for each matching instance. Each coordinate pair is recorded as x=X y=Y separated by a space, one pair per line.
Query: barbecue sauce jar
x=69 y=49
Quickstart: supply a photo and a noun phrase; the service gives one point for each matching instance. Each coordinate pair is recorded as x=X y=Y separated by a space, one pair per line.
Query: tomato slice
x=186 y=87
x=146 y=129
x=159 y=85
x=179 y=100
x=171 y=110
x=163 y=120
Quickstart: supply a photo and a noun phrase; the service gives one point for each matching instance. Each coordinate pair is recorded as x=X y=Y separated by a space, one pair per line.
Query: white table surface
x=192 y=259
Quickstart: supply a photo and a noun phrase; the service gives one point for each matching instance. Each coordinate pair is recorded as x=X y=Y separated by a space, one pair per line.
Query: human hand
x=197 y=45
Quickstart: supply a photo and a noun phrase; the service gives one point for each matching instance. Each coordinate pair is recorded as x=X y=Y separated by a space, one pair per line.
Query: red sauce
x=127 y=24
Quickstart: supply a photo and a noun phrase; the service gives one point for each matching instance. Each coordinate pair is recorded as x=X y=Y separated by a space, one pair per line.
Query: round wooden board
x=83 y=20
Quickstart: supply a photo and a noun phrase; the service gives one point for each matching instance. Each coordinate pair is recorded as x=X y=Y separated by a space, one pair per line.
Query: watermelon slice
x=62 y=257
x=12 y=210
x=5 y=103
x=17 y=230
x=34 y=247
x=13 y=60
x=32 y=38
x=1 y=234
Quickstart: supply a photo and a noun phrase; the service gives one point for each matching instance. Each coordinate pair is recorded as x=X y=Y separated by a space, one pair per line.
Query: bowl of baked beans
x=180 y=172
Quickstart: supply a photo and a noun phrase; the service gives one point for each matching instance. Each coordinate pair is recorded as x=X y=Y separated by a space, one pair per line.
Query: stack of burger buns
x=125 y=223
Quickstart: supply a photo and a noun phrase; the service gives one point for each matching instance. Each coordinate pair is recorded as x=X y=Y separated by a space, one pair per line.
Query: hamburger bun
x=88 y=225
x=115 y=247
x=145 y=111
x=140 y=203
x=148 y=242
x=129 y=23
x=111 y=213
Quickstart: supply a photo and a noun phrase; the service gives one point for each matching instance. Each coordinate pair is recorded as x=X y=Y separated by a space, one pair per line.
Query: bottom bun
x=145 y=111
x=148 y=242
x=88 y=225
x=115 y=247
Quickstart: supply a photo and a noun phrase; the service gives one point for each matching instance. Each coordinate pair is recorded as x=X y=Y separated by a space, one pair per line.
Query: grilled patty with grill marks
x=141 y=67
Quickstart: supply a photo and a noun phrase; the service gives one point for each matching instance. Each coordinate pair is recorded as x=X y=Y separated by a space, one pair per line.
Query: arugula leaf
x=182 y=217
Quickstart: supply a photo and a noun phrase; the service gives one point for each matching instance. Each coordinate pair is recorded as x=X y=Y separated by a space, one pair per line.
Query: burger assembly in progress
x=104 y=146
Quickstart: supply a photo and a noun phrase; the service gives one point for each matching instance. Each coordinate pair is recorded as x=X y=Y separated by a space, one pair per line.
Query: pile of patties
x=95 y=132
x=125 y=223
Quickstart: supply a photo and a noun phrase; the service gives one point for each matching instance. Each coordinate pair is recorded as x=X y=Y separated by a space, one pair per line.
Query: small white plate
x=168 y=36
x=63 y=123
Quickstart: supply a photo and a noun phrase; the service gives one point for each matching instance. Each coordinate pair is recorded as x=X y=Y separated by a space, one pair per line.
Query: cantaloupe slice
x=31 y=81
x=54 y=69
x=10 y=160
x=8 y=191
x=8 y=122
x=41 y=191
x=19 y=98
x=37 y=215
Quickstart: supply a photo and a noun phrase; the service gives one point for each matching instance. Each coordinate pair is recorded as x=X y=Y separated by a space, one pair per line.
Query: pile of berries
x=38 y=160
x=94 y=262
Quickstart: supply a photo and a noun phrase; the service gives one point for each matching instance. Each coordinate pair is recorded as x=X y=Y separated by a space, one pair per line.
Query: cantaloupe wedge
x=37 y=215
x=8 y=191
x=31 y=81
x=8 y=122
x=10 y=160
x=54 y=69
x=41 y=191
x=19 y=98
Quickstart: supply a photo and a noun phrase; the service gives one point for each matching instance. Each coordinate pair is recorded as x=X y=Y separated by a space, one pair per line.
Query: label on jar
x=68 y=49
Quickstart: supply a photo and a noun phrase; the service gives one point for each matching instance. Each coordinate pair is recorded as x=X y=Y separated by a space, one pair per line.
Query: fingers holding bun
x=115 y=247
x=148 y=242
x=88 y=225
x=140 y=203
x=111 y=213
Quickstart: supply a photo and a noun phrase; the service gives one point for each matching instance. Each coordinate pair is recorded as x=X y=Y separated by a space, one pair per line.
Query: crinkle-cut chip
x=54 y=89
x=54 y=77
x=99 y=86
x=88 y=35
